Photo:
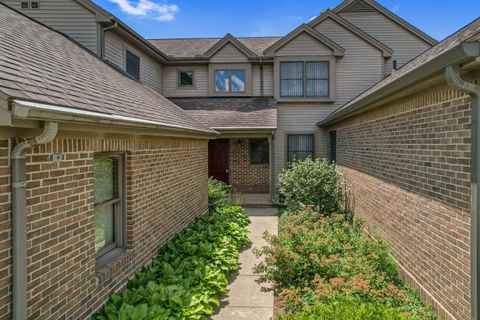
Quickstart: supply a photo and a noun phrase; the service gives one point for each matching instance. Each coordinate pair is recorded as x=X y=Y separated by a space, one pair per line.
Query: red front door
x=218 y=159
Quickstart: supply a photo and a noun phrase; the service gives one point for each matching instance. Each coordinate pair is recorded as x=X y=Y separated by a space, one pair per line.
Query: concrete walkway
x=247 y=299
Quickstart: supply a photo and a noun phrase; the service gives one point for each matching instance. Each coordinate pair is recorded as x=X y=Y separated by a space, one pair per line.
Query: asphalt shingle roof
x=42 y=65
x=231 y=112
x=191 y=47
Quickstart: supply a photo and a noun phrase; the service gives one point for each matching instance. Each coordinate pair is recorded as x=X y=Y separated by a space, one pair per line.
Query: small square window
x=25 y=5
x=259 y=153
x=133 y=65
x=185 y=78
x=34 y=5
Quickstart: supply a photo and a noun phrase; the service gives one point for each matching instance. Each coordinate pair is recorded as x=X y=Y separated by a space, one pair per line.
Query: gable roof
x=228 y=38
x=192 y=47
x=362 y=5
x=457 y=48
x=232 y=113
x=337 y=49
x=387 y=51
x=41 y=65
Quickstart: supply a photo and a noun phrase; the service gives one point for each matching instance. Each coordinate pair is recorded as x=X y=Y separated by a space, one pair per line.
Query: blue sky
x=215 y=18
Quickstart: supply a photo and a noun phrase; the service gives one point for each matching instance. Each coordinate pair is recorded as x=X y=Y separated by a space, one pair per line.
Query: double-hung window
x=133 y=65
x=299 y=147
x=310 y=79
x=229 y=81
x=108 y=206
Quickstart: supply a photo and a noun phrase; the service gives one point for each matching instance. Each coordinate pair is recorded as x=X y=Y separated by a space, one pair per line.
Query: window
x=185 y=78
x=300 y=147
x=133 y=65
x=230 y=80
x=333 y=146
x=305 y=79
x=108 y=206
x=259 y=151
x=24 y=5
x=34 y=5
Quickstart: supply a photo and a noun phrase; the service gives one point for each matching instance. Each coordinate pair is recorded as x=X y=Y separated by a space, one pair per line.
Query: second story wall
x=66 y=16
x=150 y=69
x=171 y=87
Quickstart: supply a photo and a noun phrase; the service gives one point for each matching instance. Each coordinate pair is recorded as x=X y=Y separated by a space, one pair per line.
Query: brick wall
x=244 y=176
x=166 y=189
x=408 y=163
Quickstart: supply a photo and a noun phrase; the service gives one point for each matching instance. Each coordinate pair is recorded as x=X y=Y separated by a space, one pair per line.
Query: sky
x=155 y=19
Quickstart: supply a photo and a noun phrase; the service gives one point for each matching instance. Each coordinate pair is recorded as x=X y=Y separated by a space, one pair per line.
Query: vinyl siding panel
x=170 y=80
x=268 y=80
x=256 y=81
x=405 y=44
x=303 y=44
x=150 y=69
x=359 y=68
x=229 y=53
x=66 y=16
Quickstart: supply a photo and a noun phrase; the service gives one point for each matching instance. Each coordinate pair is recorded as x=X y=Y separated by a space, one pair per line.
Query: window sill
x=111 y=263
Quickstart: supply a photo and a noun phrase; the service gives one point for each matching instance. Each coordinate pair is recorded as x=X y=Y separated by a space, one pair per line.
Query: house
x=409 y=148
x=97 y=170
x=263 y=94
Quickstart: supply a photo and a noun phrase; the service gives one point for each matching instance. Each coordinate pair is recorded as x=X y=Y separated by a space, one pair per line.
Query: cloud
x=395 y=9
x=312 y=18
x=148 y=8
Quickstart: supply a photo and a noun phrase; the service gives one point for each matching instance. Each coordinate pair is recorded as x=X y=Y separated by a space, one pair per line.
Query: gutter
x=458 y=54
x=19 y=218
x=454 y=80
x=40 y=111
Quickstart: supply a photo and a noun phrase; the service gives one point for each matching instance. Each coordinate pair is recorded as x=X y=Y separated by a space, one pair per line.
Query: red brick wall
x=244 y=176
x=166 y=190
x=408 y=163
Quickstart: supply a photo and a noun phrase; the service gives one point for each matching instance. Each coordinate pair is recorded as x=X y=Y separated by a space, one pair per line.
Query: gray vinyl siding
x=256 y=81
x=359 y=68
x=228 y=53
x=200 y=82
x=303 y=45
x=66 y=16
x=150 y=69
x=268 y=80
x=405 y=44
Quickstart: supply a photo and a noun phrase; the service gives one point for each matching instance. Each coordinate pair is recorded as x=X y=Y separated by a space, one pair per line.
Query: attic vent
x=358 y=6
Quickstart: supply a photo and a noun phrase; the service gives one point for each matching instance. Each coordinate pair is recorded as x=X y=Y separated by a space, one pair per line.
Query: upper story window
x=185 y=78
x=108 y=206
x=309 y=79
x=133 y=65
x=229 y=81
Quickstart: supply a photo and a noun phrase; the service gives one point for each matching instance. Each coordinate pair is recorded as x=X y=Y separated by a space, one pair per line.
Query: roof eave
x=461 y=53
x=24 y=109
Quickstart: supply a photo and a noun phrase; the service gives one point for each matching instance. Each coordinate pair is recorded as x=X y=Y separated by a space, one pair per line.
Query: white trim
x=21 y=109
x=250 y=128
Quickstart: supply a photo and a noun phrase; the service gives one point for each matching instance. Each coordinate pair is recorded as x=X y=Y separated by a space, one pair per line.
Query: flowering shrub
x=323 y=259
x=344 y=310
x=314 y=183
x=186 y=277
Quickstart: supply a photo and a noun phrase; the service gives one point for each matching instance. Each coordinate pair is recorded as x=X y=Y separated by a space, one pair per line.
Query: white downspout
x=19 y=218
x=454 y=80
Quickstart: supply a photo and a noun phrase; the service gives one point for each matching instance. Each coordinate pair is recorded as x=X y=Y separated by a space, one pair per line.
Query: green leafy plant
x=185 y=279
x=315 y=183
x=324 y=259
x=343 y=310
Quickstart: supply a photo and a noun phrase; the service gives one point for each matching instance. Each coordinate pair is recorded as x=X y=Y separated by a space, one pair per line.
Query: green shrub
x=218 y=194
x=347 y=310
x=321 y=258
x=186 y=277
x=314 y=183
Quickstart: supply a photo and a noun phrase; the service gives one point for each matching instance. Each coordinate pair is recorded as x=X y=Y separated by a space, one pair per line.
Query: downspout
x=19 y=218
x=454 y=80
x=113 y=26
